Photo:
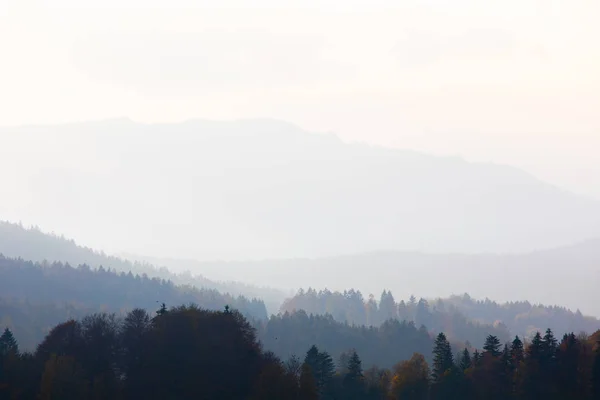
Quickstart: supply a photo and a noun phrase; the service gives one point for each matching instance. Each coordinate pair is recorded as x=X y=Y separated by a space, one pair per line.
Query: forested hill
x=263 y=188
x=36 y=296
x=17 y=241
x=565 y=276
x=190 y=353
x=461 y=317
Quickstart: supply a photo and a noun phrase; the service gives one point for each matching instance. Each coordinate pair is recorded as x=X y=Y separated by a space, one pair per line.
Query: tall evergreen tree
x=568 y=371
x=492 y=346
x=465 y=360
x=353 y=381
x=308 y=386
x=354 y=367
x=443 y=359
x=8 y=343
x=322 y=366
x=517 y=352
x=476 y=358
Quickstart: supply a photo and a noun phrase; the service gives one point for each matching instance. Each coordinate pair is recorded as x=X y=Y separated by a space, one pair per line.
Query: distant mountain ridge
x=32 y=244
x=252 y=189
x=566 y=276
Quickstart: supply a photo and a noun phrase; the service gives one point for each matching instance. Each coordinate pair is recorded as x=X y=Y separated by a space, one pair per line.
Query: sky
x=512 y=81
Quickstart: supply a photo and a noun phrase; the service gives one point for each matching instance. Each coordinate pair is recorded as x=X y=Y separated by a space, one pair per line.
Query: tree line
x=462 y=318
x=36 y=296
x=189 y=352
x=35 y=245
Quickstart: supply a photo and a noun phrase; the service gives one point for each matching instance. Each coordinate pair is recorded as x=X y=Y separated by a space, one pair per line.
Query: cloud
x=216 y=60
x=422 y=48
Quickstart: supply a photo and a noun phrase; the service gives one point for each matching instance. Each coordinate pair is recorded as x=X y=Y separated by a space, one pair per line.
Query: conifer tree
x=308 y=386
x=517 y=353
x=492 y=346
x=442 y=356
x=8 y=343
x=465 y=360
x=354 y=384
x=476 y=358
x=354 y=367
x=322 y=367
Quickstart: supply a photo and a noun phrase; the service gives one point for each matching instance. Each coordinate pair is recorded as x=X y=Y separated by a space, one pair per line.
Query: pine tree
x=549 y=348
x=354 y=384
x=506 y=358
x=568 y=357
x=492 y=346
x=8 y=343
x=476 y=358
x=535 y=349
x=517 y=353
x=548 y=365
x=443 y=359
x=322 y=367
x=308 y=386
x=533 y=378
x=465 y=360
x=354 y=367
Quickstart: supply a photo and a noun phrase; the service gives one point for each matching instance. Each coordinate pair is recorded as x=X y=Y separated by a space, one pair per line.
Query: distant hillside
x=566 y=276
x=462 y=318
x=263 y=188
x=33 y=244
x=35 y=297
x=350 y=307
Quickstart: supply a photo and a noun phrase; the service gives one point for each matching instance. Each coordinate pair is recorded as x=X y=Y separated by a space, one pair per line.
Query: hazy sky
x=511 y=81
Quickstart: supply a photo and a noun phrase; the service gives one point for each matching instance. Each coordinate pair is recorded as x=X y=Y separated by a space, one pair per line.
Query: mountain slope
x=37 y=246
x=567 y=276
x=262 y=188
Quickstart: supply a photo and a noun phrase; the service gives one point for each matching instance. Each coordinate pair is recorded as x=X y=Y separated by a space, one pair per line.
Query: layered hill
x=262 y=188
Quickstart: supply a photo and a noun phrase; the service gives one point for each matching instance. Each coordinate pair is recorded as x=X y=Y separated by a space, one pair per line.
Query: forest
x=188 y=352
x=122 y=330
x=461 y=317
x=36 y=296
x=32 y=244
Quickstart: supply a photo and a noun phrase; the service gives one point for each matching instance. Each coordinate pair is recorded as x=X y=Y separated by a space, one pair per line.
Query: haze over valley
x=299 y=200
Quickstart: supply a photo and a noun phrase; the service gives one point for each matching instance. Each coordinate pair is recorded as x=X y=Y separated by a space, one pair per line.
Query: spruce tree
x=443 y=359
x=353 y=382
x=506 y=358
x=8 y=343
x=465 y=360
x=549 y=348
x=476 y=358
x=517 y=353
x=322 y=367
x=308 y=386
x=354 y=367
x=492 y=346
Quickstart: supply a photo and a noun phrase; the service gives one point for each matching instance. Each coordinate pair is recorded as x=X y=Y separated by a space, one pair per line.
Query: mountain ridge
x=276 y=190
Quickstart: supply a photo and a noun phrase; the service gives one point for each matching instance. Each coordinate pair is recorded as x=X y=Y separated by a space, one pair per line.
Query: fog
x=448 y=138
x=513 y=82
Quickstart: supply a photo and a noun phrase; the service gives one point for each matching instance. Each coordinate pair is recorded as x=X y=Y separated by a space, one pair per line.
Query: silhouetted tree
x=465 y=360
x=492 y=346
x=443 y=359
